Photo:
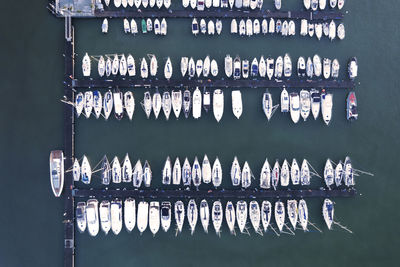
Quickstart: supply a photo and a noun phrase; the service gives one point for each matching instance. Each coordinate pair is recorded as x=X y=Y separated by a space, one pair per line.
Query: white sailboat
x=129 y=104
x=206 y=170
x=144 y=71
x=86 y=65
x=108 y=104
x=305 y=104
x=262 y=67
x=327 y=68
x=86 y=171
x=116 y=171
x=292 y=212
x=305 y=173
x=126 y=170
x=168 y=69
x=137 y=176
x=236 y=173
x=315 y=103
x=326 y=106
x=76 y=170
x=241 y=214
x=167 y=172
x=303 y=214
x=199 y=67
x=166 y=104
x=204 y=215
x=285 y=173
x=101 y=66
x=317 y=66
x=97 y=103
x=275 y=175
x=153 y=65
x=266 y=212
x=184 y=65
x=88 y=104
x=278 y=67
x=147 y=103
x=79 y=99
x=147 y=174
x=131 y=65
x=246 y=175
x=186 y=173
x=328 y=212
x=255 y=215
x=187 y=102
x=179 y=215
x=217 y=216
x=118 y=104
x=265 y=175
x=192 y=215
x=234 y=26
x=196 y=173
x=279 y=215
x=156 y=104
x=329 y=174
x=216 y=173
x=176 y=172
x=206 y=66
x=295 y=172
x=177 y=102
x=230 y=217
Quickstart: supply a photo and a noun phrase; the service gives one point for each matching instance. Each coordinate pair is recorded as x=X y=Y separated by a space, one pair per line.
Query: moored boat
x=56 y=163
x=351 y=109
x=328 y=212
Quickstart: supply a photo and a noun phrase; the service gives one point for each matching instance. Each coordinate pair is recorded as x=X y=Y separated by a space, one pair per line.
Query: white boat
x=265 y=175
x=278 y=67
x=249 y=27
x=179 y=215
x=340 y=4
x=218 y=26
x=108 y=67
x=76 y=171
x=131 y=65
x=328 y=212
x=234 y=26
x=127 y=26
x=311 y=29
x=79 y=99
x=303 y=214
x=147 y=103
x=56 y=164
x=206 y=66
x=230 y=217
x=304 y=27
x=329 y=174
x=256 y=26
x=88 y=103
x=199 y=67
x=236 y=173
x=144 y=70
x=186 y=173
x=129 y=104
x=192 y=215
x=317 y=65
x=217 y=216
x=216 y=173
x=137 y=176
x=176 y=172
x=134 y=27
x=315 y=103
x=267 y=104
x=307 y=4
x=206 y=170
x=80 y=216
x=327 y=68
x=275 y=175
x=292 y=28
x=208 y=3
x=206 y=100
x=147 y=174
x=153 y=65
x=318 y=30
x=241 y=214
x=236 y=68
x=195 y=27
x=295 y=172
x=335 y=68
x=218 y=104
x=260 y=4
x=193 y=4
x=164 y=25
x=116 y=216
x=271 y=27
x=176 y=102
x=266 y=212
x=184 y=65
x=254 y=67
x=101 y=66
x=322 y=4
x=309 y=68
x=118 y=104
x=149 y=24
x=305 y=104
x=264 y=26
x=242 y=27
x=314 y=5
x=292 y=212
x=203 y=26
x=285 y=28
x=204 y=215
x=191 y=68
x=126 y=170
x=245 y=68
x=280 y=215
x=255 y=215
x=105 y=216
x=168 y=69
x=285 y=173
x=86 y=171
x=326 y=107
x=116 y=171
x=348 y=173
x=262 y=67
x=196 y=173
x=278 y=4
x=325 y=28
x=187 y=102
x=253 y=4
x=185 y=3
x=142 y=216
x=305 y=173
x=216 y=3
x=167 y=172
x=238 y=3
x=301 y=67
x=270 y=67
x=287 y=66
x=284 y=101
x=237 y=106
x=165 y=215
x=332 y=30
x=353 y=68
x=339 y=173
x=86 y=65
x=214 y=68
x=211 y=27
x=246 y=175
x=124 y=3
x=156 y=104
x=106 y=172
x=129 y=214
x=159 y=3
x=166 y=104
x=197 y=98
x=108 y=104
x=154 y=216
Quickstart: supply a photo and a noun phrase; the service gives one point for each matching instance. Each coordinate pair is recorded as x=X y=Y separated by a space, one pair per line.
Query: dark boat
x=352 y=113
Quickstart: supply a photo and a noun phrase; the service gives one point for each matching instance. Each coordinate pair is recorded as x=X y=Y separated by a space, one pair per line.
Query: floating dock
x=220 y=83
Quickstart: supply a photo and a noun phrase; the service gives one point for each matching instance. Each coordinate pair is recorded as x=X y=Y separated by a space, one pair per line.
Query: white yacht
x=192 y=215
x=234 y=26
x=206 y=170
x=105 y=216
x=129 y=104
x=249 y=27
x=197 y=101
x=284 y=101
x=353 y=68
x=294 y=106
x=142 y=216
x=147 y=103
x=285 y=173
x=116 y=171
x=118 y=104
x=165 y=215
x=304 y=27
x=270 y=67
x=271 y=28
x=144 y=71
x=280 y=215
x=326 y=106
x=206 y=66
x=305 y=173
x=267 y=104
x=328 y=212
x=204 y=215
x=156 y=103
x=266 y=212
x=245 y=68
x=216 y=173
x=176 y=172
x=295 y=172
x=309 y=68
x=147 y=174
x=206 y=99
x=129 y=214
x=115 y=65
x=166 y=104
x=167 y=172
x=236 y=68
x=56 y=163
x=228 y=66
x=101 y=66
x=246 y=175
x=88 y=103
x=214 y=68
x=236 y=173
x=127 y=170
x=217 y=216
x=341 y=32
x=264 y=26
x=305 y=104
x=104 y=26
x=131 y=65
x=292 y=212
x=154 y=216
x=134 y=27
x=218 y=104
x=262 y=67
x=137 y=175
x=317 y=66
x=318 y=30
x=278 y=67
x=203 y=26
x=86 y=65
x=186 y=173
x=335 y=68
x=301 y=67
x=153 y=65
x=255 y=215
x=329 y=175
x=199 y=67
x=332 y=30
x=179 y=215
x=256 y=26
x=184 y=65
x=327 y=68
x=177 y=102
x=196 y=173
x=168 y=69
x=211 y=27
x=278 y=4
x=116 y=216
x=265 y=175
x=237 y=106
x=287 y=63
x=230 y=217
x=241 y=214
x=303 y=214
x=80 y=216
x=86 y=171
x=195 y=26
x=79 y=104
x=76 y=169
x=315 y=103
x=187 y=102
x=164 y=25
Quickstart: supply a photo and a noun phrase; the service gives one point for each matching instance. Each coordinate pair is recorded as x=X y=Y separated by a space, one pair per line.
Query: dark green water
x=32 y=71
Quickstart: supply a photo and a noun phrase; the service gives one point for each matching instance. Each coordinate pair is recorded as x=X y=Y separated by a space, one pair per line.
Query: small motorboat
x=195 y=27
x=284 y=101
x=287 y=64
x=79 y=99
x=285 y=173
x=254 y=68
x=304 y=27
x=270 y=67
x=216 y=173
x=305 y=104
x=271 y=27
x=322 y=4
x=332 y=30
x=303 y=214
x=292 y=28
x=236 y=173
x=176 y=102
x=314 y=5
x=116 y=216
x=245 y=68
x=262 y=68
x=351 y=110
x=88 y=103
x=267 y=104
x=116 y=171
x=211 y=27
x=238 y=3
x=265 y=175
x=236 y=68
x=192 y=215
x=204 y=215
x=325 y=27
x=137 y=175
x=206 y=100
x=86 y=65
x=295 y=107
x=199 y=67
x=241 y=214
x=335 y=68
x=301 y=67
x=167 y=4
x=106 y=173
x=278 y=4
x=234 y=26
x=333 y=3
x=126 y=170
x=167 y=172
x=217 y=216
x=186 y=103
x=118 y=104
x=129 y=214
x=264 y=26
x=295 y=172
x=249 y=27
x=154 y=216
x=159 y=3
x=80 y=216
x=307 y=4
x=317 y=65
x=206 y=170
x=168 y=69
x=184 y=65
x=108 y=104
x=329 y=174
x=340 y=4
x=246 y=175
x=149 y=25
x=144 y=70
x=353 y=68
x=166 y=104
x=134 y=27
x=278 y=67
x=153 y=65
x=197 y=103
x=176 y=172
x=218 y=104
x=86 y=171
x=305 y=173
x=328 y=212
x=131 y=65
x=203 y=26
x=156 y=103
x=206 y=66
x=318 y=30
x=108 y=67
x=196 y=173
x=278 y=26
x=285 y=28
x=104 y=26
x=280 y=215
x=186 y=173
x=147 y=174
x=315 y=103
x=327 y=68
x=230 y=217
x=292 y=212
x=255 y=215
x=256 y=26
x=309 y=68
x=311 y=29
x=208 y=3
x=56 y=163
x=253 y=4
x=129 y=104
x=147 y=103
x=164 y=26
x=165 y=215
x=214 y=68
x=105 y=216
x=326 y=106
x=127 y=26
x=242 y=27
x=237 y=106
x=76 y=170
x=179 y=215
x=101 y=66
x=185 y=3
x=266 y=212
x=142 y=216
x=348 y=173
x=339 y=173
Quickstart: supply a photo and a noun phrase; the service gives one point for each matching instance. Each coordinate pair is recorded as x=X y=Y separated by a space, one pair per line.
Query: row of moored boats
x=139 y=3
x=314 y=5
x=159 y=26
x=209 y=28
x=322 y=29
x=254 y=27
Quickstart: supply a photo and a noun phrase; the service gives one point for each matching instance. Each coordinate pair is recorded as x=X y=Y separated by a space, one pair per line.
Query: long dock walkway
x=220 y=83
x=213 y=194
